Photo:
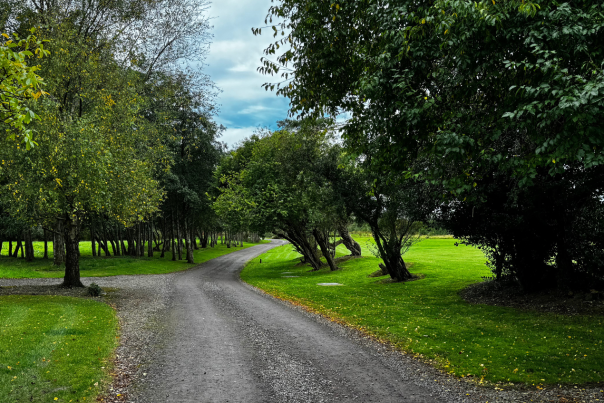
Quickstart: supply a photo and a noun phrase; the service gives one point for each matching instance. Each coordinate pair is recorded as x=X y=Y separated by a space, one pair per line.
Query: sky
x=232 y=62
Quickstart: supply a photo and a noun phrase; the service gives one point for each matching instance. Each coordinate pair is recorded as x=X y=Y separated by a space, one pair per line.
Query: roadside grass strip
x=428 y=318
x=54 y=348
x=106 y=266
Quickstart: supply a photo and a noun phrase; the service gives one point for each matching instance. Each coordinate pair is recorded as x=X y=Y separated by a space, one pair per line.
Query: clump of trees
x=299 y=183
x=496 y=107
x=125 y=145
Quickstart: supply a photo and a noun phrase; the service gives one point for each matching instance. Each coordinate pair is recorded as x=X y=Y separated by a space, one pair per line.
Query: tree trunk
x=194 y=238
x=390 y=252
x=189 y=243
x=109 y=236
x=58 y=247
x=178 y=238
x=322 y=241
x=172 y=238
x=29 y=245
x=120 y=235
x=93 y=240
x=150 y=246
x=132 y=241
x=104 y=239
x=45 y=244
x=164 y=232
x=71 y=232
x=18 y=247
x=298 y=238
x=352 y=245
x=116 y=237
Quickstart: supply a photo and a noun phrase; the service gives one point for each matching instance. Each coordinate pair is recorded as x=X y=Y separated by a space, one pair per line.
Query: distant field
x=104 y=266
x=427 y=317
x=55 y=348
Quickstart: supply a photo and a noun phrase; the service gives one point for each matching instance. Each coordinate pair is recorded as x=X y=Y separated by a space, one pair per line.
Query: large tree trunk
x=390 y=252
x=71 y=233
x=297 y=237
x=29 y=246
x=352 y=245
x=58 y=247
x=322 y=241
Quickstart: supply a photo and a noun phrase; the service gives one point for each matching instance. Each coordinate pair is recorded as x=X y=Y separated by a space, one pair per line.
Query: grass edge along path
x=109 y=266
x=55 y=348
x=428 y=318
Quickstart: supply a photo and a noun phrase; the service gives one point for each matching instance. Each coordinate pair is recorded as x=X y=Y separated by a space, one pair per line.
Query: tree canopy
x=496 y=105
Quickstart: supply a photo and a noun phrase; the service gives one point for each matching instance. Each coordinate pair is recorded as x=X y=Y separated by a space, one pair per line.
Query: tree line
x=109 y=128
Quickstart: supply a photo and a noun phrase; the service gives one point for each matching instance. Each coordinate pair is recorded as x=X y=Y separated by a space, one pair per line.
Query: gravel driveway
x=204 y=336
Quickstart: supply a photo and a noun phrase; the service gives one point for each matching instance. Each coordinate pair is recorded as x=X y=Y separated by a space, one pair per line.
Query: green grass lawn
x=427 y=317
x=54 y=348
x=105 y=266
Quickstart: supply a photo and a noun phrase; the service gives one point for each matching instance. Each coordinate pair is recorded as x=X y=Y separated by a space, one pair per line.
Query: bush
x=94 y=290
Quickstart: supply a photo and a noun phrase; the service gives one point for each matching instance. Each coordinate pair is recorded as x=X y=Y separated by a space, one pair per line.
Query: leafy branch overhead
x=19 y=83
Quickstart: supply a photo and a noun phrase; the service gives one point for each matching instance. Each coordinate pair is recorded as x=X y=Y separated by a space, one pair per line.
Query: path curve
x=223 y=341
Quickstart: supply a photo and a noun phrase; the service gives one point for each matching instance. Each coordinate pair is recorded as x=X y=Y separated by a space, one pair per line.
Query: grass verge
x=54 y=348
x=106 y=266
x=428 y=318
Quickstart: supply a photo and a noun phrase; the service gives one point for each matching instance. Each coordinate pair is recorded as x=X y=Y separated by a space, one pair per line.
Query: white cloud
x=233 y=136
x=254 y=109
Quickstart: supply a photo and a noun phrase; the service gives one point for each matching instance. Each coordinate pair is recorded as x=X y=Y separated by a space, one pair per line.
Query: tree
x=275 y=180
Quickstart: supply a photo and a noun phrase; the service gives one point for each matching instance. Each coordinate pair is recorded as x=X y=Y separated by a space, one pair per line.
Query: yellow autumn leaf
x=5 y=35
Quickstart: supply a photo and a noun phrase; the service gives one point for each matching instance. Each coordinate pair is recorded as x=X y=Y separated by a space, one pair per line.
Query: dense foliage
x=494 y=102
x=121 y=109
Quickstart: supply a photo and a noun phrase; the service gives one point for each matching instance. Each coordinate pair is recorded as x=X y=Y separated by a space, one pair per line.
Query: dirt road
x=225 y=342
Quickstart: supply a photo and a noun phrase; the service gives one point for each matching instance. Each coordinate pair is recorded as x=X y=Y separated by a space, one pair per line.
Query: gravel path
x=204 y=336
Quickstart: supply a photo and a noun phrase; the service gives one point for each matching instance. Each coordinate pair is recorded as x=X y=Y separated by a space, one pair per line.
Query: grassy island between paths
x=55 y=348
x=106 y=266
x=428 y=318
